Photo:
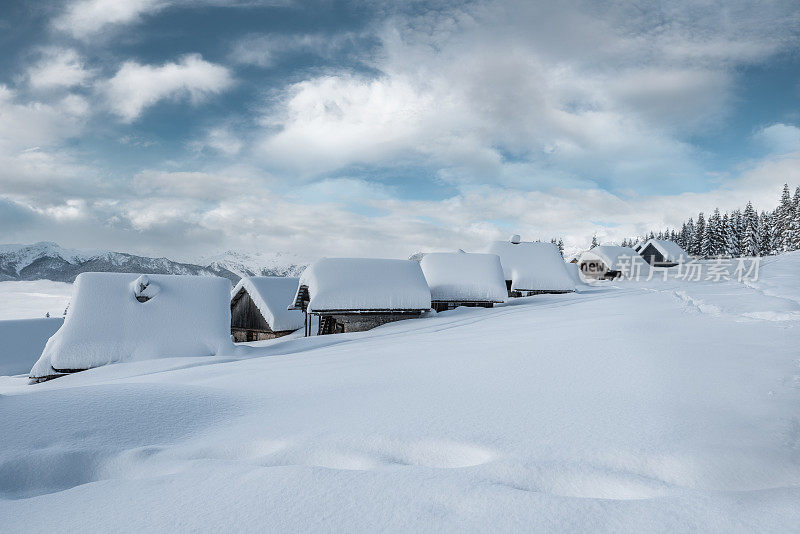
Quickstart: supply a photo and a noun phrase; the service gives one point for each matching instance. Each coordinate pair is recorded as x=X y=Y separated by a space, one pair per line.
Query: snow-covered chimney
x=515 y=239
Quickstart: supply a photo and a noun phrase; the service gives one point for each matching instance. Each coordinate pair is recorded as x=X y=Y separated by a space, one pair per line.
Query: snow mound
x=272 y=295
x=106 y=323
x=365 y=284
x=533 y=266
x=458 y=276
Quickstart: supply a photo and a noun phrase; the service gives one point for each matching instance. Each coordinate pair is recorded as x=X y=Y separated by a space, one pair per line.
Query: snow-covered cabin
x=611 y=261
x=532 y=267
x=463 y=279
x=120 y=317
x=574 y=273
x=355 y=294
x=662 y=253
x=259 y=308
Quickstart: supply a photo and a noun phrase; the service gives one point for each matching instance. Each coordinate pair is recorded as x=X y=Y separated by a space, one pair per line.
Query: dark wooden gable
x=245 y=314
x=652 y=255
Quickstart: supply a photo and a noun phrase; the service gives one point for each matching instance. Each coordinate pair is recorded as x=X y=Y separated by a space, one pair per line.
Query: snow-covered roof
x=574 y=273
x=616 y=258
x=365 y=284
x=533 y=266
x=671 y=251
x=184 y=316
x=458 y=276
x=272 y=295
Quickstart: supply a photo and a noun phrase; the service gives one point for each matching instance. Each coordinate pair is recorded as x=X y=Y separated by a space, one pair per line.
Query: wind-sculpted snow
x=621 y=408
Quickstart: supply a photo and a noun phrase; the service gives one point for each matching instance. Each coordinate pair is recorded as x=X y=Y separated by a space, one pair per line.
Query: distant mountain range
x=49 y=261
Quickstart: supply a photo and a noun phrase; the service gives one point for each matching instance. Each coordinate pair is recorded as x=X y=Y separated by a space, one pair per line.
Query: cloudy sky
x=184 y=128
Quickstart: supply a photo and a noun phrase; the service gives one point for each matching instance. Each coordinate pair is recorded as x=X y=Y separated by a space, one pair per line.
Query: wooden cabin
x=357 y=294
x=608 y=262
x=531 y=268
x=259 y=308
x=662 y=253
x=461 y=279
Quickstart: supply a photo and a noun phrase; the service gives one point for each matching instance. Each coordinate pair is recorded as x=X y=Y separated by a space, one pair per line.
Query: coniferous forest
x=742 y=232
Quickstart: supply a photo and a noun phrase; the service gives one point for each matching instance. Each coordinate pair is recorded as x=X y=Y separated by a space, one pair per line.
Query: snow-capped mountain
x=255 y=264
x=49 y=261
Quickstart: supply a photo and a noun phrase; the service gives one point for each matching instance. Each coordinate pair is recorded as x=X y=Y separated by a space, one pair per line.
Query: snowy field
x=653 y=406
x=29 y=300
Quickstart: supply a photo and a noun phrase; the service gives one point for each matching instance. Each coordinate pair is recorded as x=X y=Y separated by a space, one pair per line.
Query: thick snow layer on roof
x=616 y=258
x=366 y=284
x=187 y=316
x=272 y=295
x=533 y=266
x=458 y=276
x=574 y=273
x=671 y=251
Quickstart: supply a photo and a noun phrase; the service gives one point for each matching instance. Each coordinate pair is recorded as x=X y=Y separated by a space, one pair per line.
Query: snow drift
x=179 y=316
x=272 y=295
x=458 y=276
x=365 y=284
x=533 y=266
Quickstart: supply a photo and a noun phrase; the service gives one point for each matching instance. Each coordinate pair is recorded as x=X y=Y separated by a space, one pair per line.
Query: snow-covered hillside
x=629 y=406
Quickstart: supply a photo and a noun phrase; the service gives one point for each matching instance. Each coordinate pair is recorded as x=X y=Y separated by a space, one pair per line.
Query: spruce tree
x=750 y=244
x=732 y=237
x=689 y=243
x=594 y=241
x=795 y=224
x=785 y=215
x=765 y=234
x=723 y=230
x=560 y=246
x=699 y=235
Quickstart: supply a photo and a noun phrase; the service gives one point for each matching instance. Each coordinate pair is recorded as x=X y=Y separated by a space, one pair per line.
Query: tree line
x=738 y=233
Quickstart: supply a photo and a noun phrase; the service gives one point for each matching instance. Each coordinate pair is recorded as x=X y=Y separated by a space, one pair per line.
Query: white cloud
x=220 y=139
x=265 y=50
x=135 y=87
x=571 y=89
x=84 y=18
x=59 y=68
x=779 y=138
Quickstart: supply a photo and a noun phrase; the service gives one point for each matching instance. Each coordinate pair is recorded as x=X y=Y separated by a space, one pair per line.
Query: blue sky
x=362 y=128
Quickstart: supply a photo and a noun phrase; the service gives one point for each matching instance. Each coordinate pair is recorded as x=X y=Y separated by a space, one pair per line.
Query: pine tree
x=716 y=234
x=594 y=241
x=699 y=235
x=732 y=237
x=765 y=234
x=682 y=236
x=706 y=246
x=750 y=244
x=689 y=243
x=723 y=231
x=560 y=246
x=795 y=224
x=785 y=215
